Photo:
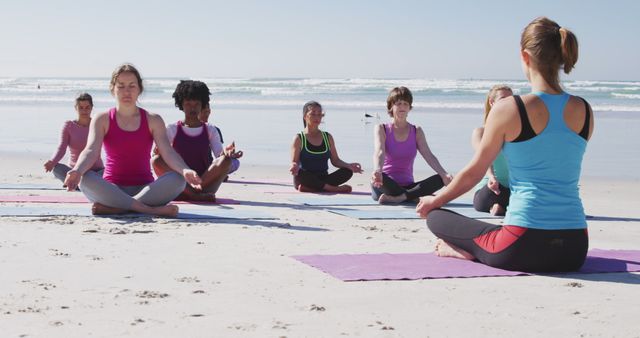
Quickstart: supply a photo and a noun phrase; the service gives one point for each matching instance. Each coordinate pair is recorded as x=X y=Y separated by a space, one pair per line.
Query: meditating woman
x=492 y=193
x=543 y=135
x=128 y=132
x=310 y=151
x=396 y=146
x=74 y=136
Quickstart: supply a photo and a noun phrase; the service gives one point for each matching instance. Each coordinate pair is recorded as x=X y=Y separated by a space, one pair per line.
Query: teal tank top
x=500 y=170
x=544 y=172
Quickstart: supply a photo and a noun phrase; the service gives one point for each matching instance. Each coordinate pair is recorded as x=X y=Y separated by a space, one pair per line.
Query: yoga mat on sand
x=340 y=200
x=31 y=186
x=187 y=211
x=79 y=198
x=368 y=267
x=404 y=213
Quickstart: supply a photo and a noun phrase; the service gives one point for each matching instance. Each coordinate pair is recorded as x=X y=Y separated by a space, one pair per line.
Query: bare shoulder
x=101 y=118
x=155 y=119
x=296 y=139
x=505 y=109
x=577 y=105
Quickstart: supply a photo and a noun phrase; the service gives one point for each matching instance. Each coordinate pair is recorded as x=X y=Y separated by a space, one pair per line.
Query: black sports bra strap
x=527 y=131
x=584 y=133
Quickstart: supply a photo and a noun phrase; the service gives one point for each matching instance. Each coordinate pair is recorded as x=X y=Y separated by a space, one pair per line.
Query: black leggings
x=484 y=198
x=316 y=181
x=511 y=247
x=414 y=190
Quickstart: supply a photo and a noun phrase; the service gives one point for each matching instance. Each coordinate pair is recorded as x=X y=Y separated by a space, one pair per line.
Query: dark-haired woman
x=312 y=148
x=74 y=136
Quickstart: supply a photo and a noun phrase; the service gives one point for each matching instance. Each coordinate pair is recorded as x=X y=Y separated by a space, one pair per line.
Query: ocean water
x=263 y=114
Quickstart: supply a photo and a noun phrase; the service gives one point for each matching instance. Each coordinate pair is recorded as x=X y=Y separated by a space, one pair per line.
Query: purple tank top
x=195 y=150
x=399 y=156
x=128 y=152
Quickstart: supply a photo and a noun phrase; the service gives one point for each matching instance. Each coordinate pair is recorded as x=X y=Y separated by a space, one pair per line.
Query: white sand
x=98 y=277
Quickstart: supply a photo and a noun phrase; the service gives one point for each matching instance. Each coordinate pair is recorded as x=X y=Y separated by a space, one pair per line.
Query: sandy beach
x=67 y=276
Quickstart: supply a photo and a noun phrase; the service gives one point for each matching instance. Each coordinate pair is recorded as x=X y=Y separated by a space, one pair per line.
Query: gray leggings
x=60 y=171
x=157 y=193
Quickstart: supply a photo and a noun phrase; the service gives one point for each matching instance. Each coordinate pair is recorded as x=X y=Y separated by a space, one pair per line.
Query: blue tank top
x=314 y=158
x=544 y=173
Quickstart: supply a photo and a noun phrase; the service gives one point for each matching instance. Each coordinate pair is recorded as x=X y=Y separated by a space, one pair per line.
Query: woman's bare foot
x=388 y=199
x=168 y=210
x=101 y=209
x=302 y=188
x=497 y=210
x=444 y=249
x=345 y=188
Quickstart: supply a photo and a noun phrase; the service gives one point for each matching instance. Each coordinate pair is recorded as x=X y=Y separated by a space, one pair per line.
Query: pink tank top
x=399 y=156
x=128 y=152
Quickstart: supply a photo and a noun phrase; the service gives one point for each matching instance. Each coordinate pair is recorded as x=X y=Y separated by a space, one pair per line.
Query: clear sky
x=452 y=39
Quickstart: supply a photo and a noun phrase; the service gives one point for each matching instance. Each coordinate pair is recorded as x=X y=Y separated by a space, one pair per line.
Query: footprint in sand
x=315 y=307
x=151 y=294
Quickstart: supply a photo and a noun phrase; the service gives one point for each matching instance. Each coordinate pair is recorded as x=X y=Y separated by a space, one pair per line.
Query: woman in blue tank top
x=310 y=151
x=543 y=136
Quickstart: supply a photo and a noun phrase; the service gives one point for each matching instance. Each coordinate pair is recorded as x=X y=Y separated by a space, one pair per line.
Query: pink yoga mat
x=368 y=267
x=79 y=198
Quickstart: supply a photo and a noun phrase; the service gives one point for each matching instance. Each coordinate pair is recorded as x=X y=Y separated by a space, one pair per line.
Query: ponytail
x=551 y=47
x=569 y=45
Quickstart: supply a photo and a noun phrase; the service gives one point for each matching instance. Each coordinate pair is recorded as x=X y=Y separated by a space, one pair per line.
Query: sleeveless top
x=195 y=150
x=314 y=158
x=500 y=170
x=544 y=172
x=128 y=152
x=399 y=156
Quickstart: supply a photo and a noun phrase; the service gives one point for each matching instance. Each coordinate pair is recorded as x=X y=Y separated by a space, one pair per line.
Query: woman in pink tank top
x=128 y=133
x=396 y=147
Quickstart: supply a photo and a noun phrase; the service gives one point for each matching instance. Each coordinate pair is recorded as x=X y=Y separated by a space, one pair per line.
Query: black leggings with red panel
x=512 y=247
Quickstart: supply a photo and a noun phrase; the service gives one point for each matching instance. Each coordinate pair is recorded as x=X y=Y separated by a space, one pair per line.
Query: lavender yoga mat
x=79 y=198
x=368 y=267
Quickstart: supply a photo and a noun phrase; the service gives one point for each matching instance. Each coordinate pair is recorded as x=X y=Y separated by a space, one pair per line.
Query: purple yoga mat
x=366 y=267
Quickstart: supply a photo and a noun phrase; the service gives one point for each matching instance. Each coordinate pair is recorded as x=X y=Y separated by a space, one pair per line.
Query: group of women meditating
x=529 y=151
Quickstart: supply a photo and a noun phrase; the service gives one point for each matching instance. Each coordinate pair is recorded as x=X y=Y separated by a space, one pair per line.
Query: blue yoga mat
x=187 y=211
x=31 y=186
x=404 y=213
x=345 y=200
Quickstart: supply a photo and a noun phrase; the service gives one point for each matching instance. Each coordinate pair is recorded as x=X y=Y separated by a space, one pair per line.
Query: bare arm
x=379 y=139
x=295 y=155
x=489 y=147
x=476 y=137
x=429 y=157
x=337 y=162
